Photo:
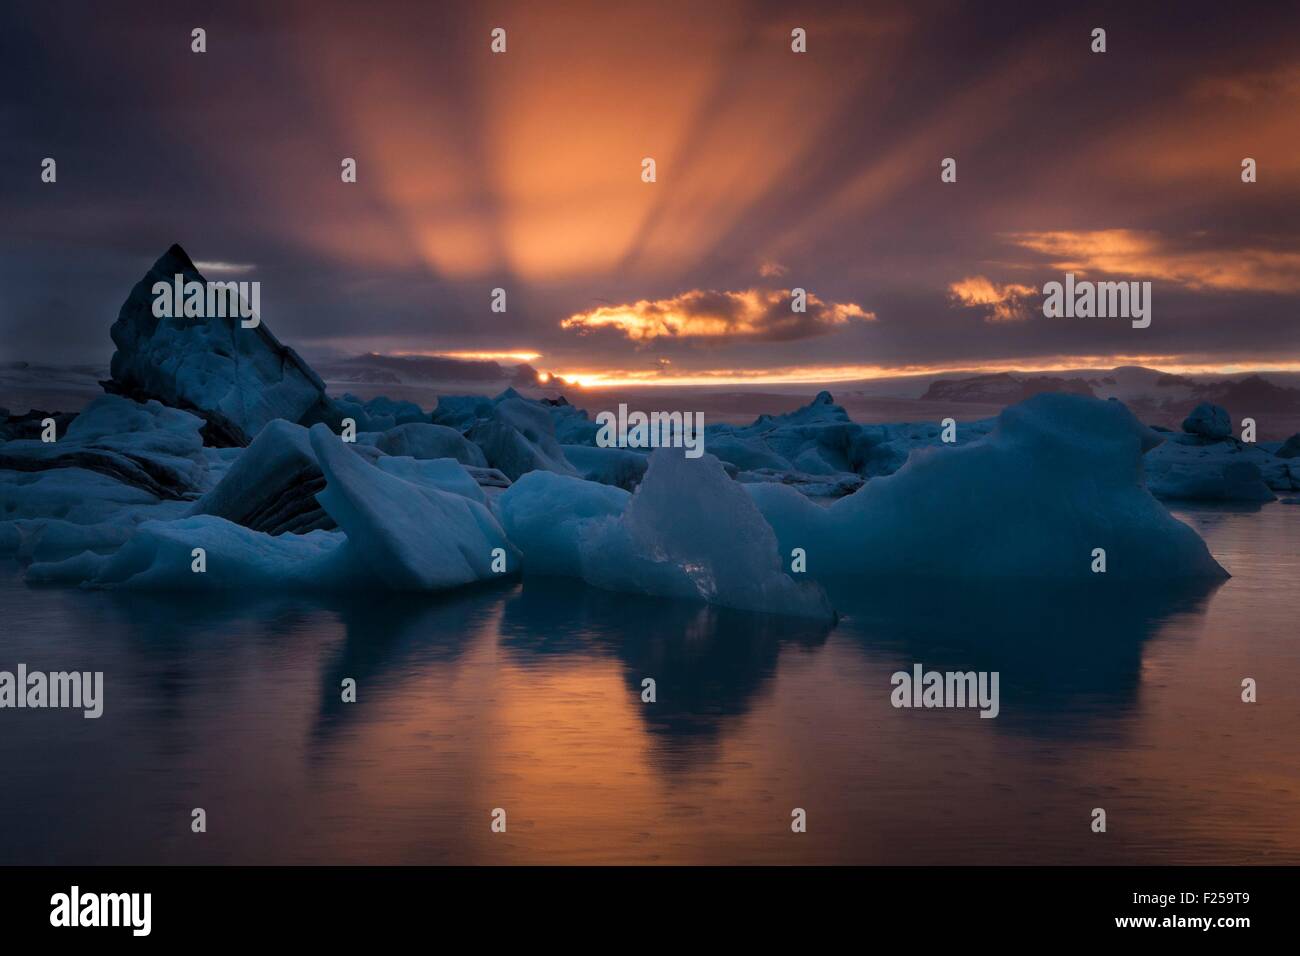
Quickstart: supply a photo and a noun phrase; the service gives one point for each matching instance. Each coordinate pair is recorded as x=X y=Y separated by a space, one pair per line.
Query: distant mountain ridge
x=1253 y=389
x=1002 y=387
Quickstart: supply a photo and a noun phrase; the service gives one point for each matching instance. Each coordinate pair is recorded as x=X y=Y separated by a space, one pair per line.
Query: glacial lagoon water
x=527 y=697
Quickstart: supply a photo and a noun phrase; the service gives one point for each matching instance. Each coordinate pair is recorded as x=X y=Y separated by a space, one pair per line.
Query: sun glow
x=827 y=374
x=473 y=356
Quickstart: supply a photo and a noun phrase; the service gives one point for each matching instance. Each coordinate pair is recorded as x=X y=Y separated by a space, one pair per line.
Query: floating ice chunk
x=412 y=536
x=748 y=453
x=691 y=532
x=46 y=515
x=380 y=413
x=1059 y=476
x=544 y=513
x=572 y=425
x=160 y=556
x=609 y=466
x=446 y=474
x=423 y=440
x=1195 y=468
x=1213 y=480
x=1208 y=421
x=76 y=495
x=519 y=437
x=819 y=441
x=461 y=411
x=397 y=535
x=50 y=539
x=150 y=446
x=272 y=485
x=813 y=486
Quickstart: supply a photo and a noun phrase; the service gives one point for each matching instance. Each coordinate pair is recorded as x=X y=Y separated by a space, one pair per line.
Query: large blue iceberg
x=1057 y=478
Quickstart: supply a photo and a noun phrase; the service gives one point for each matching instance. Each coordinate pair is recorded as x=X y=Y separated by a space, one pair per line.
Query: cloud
x=1278 y=83
x=772 y=270
x=227 y=268
x=705 y=314
x=1001 y=303
x=1149 y=256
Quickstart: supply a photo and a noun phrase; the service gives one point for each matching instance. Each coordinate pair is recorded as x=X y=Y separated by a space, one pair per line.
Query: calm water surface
x=528 y=697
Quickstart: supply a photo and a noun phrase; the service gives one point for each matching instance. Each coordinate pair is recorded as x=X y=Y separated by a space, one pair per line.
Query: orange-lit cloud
x=1146 y=255
x=764 y=314
x=1000 y=303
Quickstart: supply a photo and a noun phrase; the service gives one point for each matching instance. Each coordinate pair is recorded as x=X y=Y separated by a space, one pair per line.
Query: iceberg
x=52 y=514
x=236 y=379
x=1205 y=463
x=272 y=485
x=424 y=440
x=160 y=556
x=609 y=466
x=1058 y=476
x=819 y=451
x=691 y=532
x=445 y=474
x=396 y=535
x=519 y=437
x=545 y=514
x=148 y=446
x=378 y=414
x=410 y=536
x=688 y=532
x=1209 y=421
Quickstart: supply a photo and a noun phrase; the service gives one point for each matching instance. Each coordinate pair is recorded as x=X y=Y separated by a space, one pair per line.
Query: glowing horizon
x=813 y=375
x=471 y=355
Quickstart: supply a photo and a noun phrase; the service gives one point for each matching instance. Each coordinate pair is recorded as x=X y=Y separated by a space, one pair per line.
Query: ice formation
x=1057 y=478
x=160 y=556
x=819 y=451
x=518 y=436
x=410 y=536
x=379 y=414
x=1205 y=462
x=489 y=485
x=237 y=379
x=545 y=514
x=425 y=440
x=688 y=532
x=149 y=446
x=1209 y=421
x=396 y=534
x=691 y=532
x=609 y=466
x=272 y=485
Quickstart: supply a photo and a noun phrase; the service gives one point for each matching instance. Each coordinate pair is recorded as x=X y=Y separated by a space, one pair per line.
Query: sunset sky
x=774 y=170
